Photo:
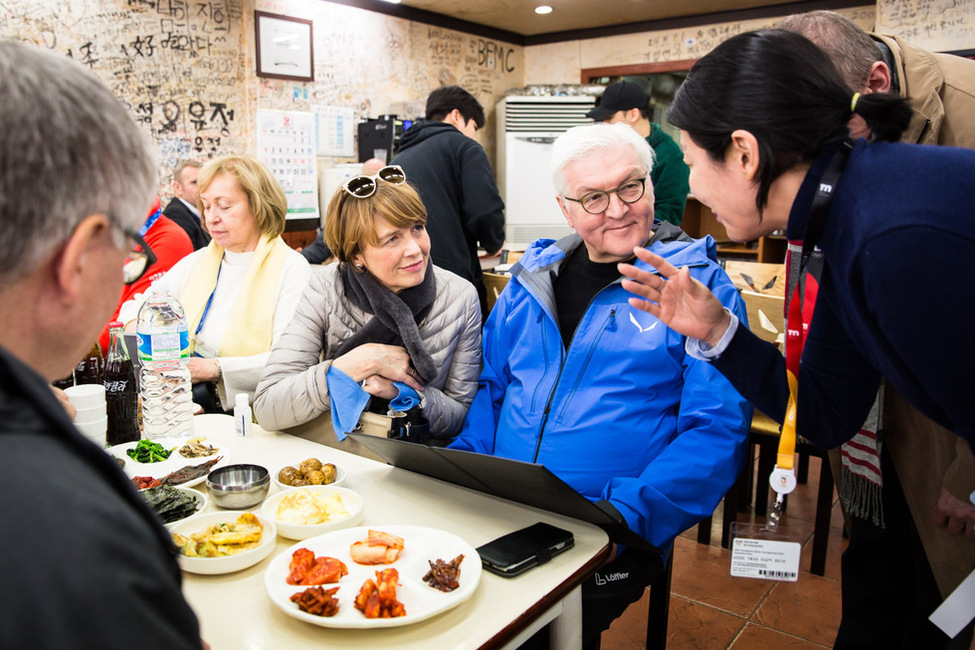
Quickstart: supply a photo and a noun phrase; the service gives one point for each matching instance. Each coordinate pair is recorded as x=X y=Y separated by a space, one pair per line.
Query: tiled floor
x=709 y=609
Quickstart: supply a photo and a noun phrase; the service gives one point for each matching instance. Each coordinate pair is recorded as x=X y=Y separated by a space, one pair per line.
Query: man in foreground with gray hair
x=86 y=563
x=601 y=393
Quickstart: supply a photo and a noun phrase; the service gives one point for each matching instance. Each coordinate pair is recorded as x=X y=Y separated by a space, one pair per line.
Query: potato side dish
x=311 y=471
x=221 y=540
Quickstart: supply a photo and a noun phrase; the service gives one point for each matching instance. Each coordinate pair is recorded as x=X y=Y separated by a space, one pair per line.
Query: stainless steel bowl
x=238 y=487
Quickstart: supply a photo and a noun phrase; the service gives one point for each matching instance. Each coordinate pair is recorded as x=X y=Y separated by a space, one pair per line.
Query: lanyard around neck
x=206 y=308
x=149 y=223
x=802 y=303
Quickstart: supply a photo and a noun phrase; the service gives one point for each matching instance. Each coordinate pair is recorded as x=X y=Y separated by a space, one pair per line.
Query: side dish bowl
x=340 y=475
x=228 y=563
x=351 y=501
x=239 y=487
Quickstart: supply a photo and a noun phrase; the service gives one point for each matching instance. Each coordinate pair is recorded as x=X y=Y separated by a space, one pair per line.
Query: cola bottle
x=64 y=382
x=121 y=398
x=91 y=368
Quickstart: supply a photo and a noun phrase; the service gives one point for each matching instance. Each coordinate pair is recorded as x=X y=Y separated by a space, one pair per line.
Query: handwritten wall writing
x=936 y=25
x=177 y=65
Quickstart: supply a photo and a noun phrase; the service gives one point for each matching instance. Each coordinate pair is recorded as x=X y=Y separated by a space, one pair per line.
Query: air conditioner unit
x=527 y=128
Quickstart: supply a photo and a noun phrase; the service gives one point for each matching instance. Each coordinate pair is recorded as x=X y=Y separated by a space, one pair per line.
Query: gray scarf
x=395 y=316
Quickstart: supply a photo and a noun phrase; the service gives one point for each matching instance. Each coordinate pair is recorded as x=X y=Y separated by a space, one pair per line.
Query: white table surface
x=235 y=611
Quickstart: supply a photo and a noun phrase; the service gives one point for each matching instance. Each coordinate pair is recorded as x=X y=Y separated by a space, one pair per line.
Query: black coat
x=178 y=212
x=75 y=529
x=454 y=178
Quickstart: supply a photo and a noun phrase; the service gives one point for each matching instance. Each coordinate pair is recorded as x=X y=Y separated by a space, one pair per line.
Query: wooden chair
x=494 y=283
x=757 y=277
x=764 y=311
x=658 y=612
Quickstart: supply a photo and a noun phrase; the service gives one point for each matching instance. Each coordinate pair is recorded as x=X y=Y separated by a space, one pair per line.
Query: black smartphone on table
x=515 y=553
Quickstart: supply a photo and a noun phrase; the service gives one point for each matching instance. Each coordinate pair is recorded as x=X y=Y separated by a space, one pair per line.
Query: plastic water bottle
x=164 y=349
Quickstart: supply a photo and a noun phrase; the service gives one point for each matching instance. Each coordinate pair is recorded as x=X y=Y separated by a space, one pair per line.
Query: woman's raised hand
x=673 y=296
x=390 y=362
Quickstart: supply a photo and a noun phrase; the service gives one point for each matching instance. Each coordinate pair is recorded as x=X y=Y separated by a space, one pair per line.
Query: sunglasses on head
x=362 y=187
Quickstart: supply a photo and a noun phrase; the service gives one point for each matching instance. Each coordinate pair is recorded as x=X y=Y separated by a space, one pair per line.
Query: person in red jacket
x=169 y=242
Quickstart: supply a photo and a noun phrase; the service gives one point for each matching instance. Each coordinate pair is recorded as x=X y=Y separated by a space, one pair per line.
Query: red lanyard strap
x=802 y=302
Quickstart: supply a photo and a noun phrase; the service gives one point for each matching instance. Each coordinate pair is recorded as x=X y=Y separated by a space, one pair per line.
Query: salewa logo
x=641 y=328
x=825 y=188
x=612 y=577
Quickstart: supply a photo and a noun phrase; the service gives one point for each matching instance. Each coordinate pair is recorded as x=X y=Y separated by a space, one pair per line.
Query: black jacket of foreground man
x=86 y=563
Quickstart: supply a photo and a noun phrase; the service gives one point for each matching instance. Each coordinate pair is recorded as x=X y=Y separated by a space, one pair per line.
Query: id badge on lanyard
x=765 y=551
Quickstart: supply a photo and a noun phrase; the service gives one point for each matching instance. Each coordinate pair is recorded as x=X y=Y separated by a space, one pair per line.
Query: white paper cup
x=86 y=395
x=90 y=414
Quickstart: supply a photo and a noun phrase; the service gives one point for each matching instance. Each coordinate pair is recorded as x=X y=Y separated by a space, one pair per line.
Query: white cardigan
x=240 y=374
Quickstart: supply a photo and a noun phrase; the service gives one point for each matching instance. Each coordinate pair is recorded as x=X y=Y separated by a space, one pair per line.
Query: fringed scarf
x=395 y=316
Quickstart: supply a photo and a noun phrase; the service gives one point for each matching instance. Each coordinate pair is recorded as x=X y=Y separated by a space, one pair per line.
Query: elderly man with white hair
x=602 y=393
x=86 y=563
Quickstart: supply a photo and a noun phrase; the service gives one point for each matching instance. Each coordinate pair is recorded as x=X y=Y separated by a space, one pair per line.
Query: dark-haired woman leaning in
x=882 y=239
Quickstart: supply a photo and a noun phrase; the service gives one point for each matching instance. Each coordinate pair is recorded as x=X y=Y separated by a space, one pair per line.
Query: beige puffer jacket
x=293 y=390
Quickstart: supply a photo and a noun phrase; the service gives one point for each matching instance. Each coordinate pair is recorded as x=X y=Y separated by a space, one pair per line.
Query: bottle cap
x=116 y=323
x=240 y=400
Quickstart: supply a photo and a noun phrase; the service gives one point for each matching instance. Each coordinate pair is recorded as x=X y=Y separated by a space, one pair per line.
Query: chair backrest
x=494 y=283
x=758 y=277
x=765 y=316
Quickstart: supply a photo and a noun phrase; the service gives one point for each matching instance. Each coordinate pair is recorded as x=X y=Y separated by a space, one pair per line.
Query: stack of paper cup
x=92 y=418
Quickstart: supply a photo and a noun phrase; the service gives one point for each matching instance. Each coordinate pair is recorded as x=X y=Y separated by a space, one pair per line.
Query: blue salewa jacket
x=622 y=415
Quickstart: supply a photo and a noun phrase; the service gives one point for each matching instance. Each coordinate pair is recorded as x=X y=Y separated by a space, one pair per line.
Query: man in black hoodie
x=450 y=170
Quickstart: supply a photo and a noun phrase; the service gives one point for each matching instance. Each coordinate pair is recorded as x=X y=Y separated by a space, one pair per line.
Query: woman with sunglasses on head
x=383 y=315
x=240 y=291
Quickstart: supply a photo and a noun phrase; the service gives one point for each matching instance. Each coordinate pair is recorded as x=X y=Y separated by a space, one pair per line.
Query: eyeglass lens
x=630 y=191
x=365 y=186
x=392 y=174
x=134 y=267
x=361 y=186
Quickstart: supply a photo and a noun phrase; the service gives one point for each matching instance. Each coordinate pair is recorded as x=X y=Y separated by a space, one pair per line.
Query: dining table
x=236 y=612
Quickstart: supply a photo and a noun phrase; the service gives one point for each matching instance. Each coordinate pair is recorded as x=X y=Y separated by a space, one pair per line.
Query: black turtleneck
x=578 y=282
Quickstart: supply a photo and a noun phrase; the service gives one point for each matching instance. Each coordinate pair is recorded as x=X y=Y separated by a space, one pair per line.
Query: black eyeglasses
x=362 y=187
x=629 y=191
x=140 y=257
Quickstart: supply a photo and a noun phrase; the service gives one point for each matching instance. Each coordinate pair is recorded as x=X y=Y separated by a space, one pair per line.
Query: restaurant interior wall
x=187 y=71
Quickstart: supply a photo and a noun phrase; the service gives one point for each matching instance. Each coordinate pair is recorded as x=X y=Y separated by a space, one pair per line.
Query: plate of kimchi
x=367 y=577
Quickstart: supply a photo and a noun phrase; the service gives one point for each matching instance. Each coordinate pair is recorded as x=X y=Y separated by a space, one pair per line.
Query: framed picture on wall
x=284 y=47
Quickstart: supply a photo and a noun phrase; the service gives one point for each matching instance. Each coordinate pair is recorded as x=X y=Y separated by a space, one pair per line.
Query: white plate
x=340 y=476
x=175 y=461
x=199 y=497
x=229 y=563
x=421 y=600
x=351 y=500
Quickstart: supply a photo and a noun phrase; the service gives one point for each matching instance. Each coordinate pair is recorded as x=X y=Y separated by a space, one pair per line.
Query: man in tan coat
x=935 y=468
